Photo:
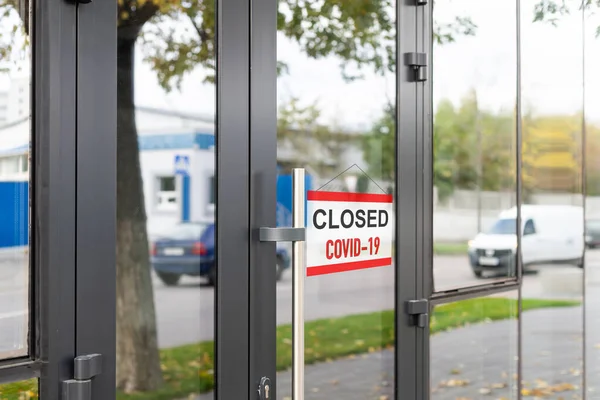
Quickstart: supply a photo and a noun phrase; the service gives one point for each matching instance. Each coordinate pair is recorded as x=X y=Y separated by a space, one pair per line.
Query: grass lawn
x=189 y=369
x=450 y=249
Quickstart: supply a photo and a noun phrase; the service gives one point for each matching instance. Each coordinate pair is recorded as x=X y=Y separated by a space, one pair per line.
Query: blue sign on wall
x=182 y=164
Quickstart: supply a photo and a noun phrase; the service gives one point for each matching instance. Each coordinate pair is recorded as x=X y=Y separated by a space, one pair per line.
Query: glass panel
x=552 y=123
x=474 y=135
x=24 y=390
x=337 y=99
x=474 y=347
x=592 y=203
x=15 y=138
x=166 y=211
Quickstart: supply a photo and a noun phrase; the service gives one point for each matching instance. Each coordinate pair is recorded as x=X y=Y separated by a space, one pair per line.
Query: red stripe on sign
x=349 y=266
x=314 y=195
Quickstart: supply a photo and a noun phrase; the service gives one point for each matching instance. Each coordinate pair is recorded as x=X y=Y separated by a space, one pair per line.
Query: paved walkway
x=475 y=362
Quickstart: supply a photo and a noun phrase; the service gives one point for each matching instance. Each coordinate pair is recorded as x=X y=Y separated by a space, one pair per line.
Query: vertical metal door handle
x=298 y=266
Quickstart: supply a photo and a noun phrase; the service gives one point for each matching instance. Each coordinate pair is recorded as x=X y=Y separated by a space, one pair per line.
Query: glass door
x=57 y=199
x=334 y=160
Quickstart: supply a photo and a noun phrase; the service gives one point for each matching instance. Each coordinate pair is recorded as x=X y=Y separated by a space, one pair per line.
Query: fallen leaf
x=455 y=383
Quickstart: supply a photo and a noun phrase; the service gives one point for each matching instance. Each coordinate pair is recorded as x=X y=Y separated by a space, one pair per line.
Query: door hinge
x=418 y=310
x=418 y=63
x=80 y=387
x=264 y=389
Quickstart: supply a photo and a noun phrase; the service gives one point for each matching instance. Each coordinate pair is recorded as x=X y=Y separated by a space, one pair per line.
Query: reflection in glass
x=23 y=390
x=592 y=201
x=474 y=136
x=15 y=137
x=552 y=109
x=474 y=348
x=336 y=118
x=166 y=212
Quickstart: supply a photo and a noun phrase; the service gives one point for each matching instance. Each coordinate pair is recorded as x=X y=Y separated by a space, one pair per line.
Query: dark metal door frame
x=54 y=144
x=410 y=340
x=95 y=280
x=53 y=200
x=73 y=158
x=233 y=188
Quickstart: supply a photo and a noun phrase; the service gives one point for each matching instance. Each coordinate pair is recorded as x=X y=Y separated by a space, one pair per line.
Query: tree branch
x=201 y=32
x=132 y=20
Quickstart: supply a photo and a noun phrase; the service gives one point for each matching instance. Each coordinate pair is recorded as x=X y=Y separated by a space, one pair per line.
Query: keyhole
x=266 y=391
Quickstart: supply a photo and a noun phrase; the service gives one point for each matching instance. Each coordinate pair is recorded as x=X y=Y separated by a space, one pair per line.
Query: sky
x=551 y=70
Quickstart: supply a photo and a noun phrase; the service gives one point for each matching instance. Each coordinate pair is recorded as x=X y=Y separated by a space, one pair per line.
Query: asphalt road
x=13 y=304
x=185 y=313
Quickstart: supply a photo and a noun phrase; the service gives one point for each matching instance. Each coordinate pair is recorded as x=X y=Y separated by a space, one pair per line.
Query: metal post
x=298 y=265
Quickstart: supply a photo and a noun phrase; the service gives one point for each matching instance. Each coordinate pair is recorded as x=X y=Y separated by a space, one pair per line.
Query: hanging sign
x=348 y=231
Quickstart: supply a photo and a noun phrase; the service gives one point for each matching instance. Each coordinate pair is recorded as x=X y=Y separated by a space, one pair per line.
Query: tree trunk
x=138 y=363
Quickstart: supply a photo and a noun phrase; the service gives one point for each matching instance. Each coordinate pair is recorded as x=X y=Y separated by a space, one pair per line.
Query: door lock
x=264 y=389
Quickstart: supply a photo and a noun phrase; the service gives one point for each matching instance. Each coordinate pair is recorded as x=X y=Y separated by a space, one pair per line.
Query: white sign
x=348 y=231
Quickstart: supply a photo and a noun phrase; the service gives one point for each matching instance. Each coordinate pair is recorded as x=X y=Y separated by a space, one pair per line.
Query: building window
x=166 y=193
x=24 y=163
x=9 y=166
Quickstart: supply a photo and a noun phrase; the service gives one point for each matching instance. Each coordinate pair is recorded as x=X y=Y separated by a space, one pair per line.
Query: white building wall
x=15 y=134
x=19 y=95
x=153 y=121
x=154 y=164
x=157 y=163
x=3 y=108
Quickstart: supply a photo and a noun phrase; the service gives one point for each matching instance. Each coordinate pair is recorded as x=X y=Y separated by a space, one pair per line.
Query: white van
x=550 y=234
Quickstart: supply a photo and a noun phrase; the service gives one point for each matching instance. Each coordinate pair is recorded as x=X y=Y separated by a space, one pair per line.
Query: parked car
x=592 y=233
x=189 y=249
x=550 y=234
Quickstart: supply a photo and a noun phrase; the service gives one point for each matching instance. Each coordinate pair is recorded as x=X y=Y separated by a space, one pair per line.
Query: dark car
x=592 y=233
x=189 y=249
